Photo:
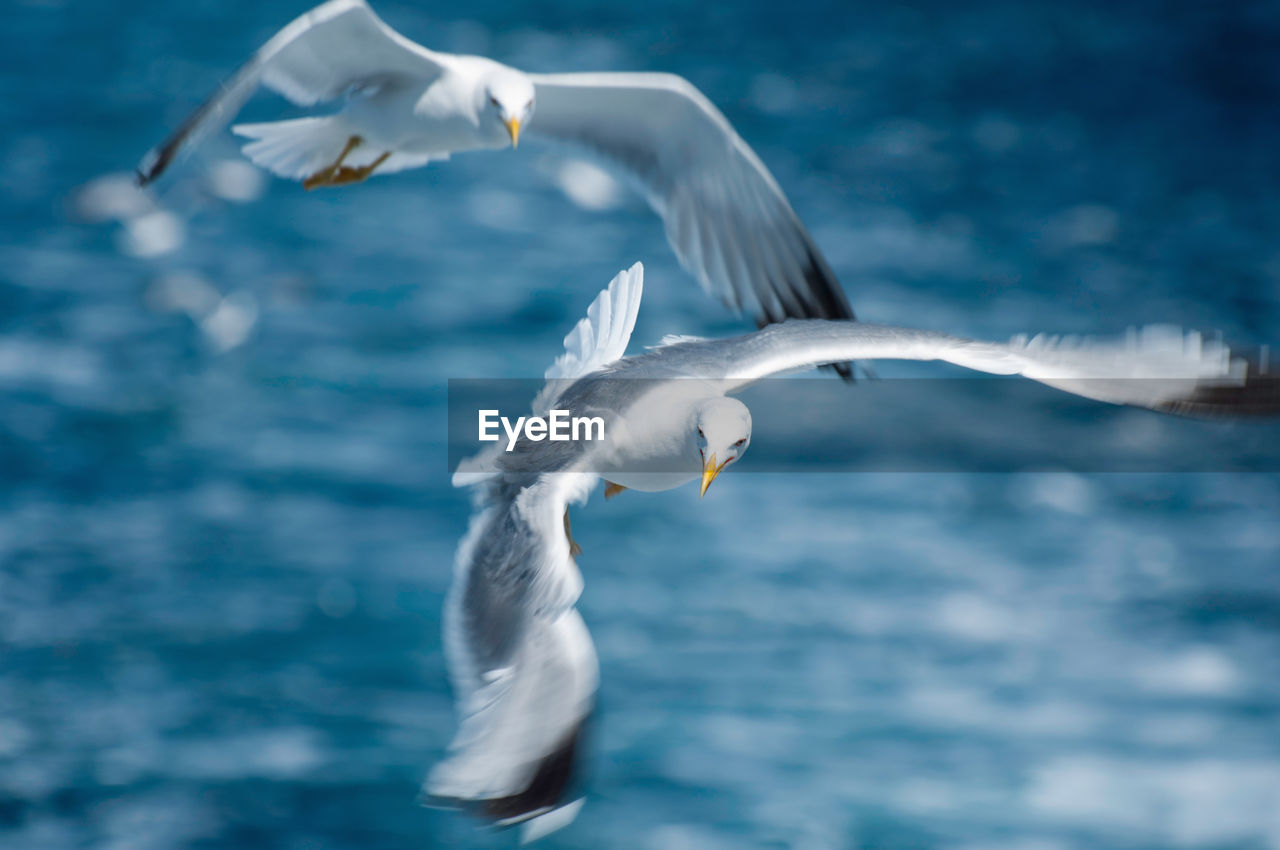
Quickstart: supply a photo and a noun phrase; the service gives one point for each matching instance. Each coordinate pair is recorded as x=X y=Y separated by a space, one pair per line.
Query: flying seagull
x=523 y=667
x=405 y=105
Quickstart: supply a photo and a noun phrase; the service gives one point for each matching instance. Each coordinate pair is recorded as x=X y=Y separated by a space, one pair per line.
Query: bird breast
x=651 y=446
x=439 y=118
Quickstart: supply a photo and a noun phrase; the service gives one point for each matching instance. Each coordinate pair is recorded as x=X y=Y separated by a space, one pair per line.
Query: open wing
x=523 y=667
x=725 y=215
x=598 y=339
x=1159 y=367
x=323 y=54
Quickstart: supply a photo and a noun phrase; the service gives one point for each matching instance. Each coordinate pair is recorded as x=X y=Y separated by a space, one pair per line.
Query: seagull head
x=723 y=432
x=509 y=101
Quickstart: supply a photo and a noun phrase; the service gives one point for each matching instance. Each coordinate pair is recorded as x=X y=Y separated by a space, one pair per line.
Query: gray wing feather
x=717 y=199
x=1159 y=367
x=522 y=663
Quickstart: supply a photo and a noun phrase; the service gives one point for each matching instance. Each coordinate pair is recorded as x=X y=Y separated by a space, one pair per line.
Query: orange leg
x=574 y=549
x=359 y=174
x=324 y=177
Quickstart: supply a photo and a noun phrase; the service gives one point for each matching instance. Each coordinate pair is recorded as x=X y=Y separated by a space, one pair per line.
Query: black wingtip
x=156 y=161
x=159 y=158
x=822 y=297
x=1258 y=396
x=548 y=788
x=845 y=371
x=551 y=787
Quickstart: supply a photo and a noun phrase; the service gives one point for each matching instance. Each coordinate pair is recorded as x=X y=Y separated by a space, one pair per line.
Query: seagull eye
x=493 y=100
x=528 y=105
x=740 y=443
x=702 y=435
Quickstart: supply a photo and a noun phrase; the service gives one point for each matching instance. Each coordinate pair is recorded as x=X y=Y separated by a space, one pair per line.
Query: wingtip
x=554 y=780
x=152 y=166
x=821 y=297
x=1257 y=396
x=846 y=372
x=632 y=278
x=540 y=826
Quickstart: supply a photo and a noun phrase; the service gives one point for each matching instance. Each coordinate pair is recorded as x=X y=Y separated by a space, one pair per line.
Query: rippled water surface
x=226 y=527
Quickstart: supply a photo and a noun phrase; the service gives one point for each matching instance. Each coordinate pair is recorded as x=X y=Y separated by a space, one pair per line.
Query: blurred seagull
x=405 y=105
x=522 y=663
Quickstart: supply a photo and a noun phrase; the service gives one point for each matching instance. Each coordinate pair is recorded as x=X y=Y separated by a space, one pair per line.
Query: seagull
x=521 y=660
x=404 y=106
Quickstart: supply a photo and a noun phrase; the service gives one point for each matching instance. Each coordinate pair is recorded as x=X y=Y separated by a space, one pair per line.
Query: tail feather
x=298 y=148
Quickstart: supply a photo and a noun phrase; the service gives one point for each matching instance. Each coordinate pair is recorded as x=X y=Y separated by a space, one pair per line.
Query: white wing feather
x=523 y=667
x=321 y=55
x=725 y=216
x=522 y=663
x=598 y=339
x=336 y=46
x=1157 y=366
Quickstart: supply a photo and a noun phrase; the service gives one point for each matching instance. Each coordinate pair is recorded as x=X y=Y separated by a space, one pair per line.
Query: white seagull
x=522 y=663
x=405 y=105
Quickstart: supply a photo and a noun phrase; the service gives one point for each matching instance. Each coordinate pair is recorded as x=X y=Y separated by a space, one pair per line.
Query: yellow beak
x=709 y=473
x=513 y=127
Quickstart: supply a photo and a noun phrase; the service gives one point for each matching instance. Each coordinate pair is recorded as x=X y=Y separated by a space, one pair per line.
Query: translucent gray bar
x=933 y=425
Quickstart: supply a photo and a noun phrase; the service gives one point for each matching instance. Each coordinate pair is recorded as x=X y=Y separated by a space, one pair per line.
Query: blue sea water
x=226 y=527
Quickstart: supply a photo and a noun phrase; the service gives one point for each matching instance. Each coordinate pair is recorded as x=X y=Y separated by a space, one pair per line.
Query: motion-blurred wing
x=1157 y=367
x=335 y=48
x=523 y=667
x=725 y=215
x=522 y=663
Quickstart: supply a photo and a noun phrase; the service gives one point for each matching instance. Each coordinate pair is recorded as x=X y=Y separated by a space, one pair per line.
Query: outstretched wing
x=598 y=339
x=725 y=215
x=1157 y=367
x=323 y=54
x=523 y=667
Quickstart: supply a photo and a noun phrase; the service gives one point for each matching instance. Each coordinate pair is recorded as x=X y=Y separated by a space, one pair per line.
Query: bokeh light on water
x=227 y=530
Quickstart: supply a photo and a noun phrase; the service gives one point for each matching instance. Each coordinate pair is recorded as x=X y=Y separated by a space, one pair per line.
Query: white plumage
x=723 y=212
x=599 y=338
x=521 y=658
x=523 y=667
